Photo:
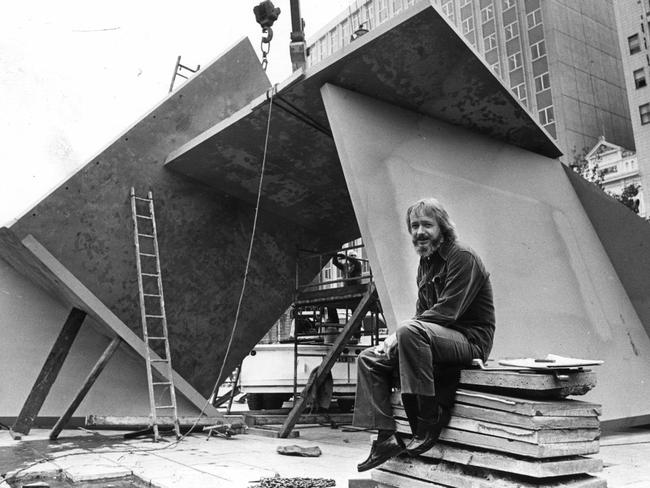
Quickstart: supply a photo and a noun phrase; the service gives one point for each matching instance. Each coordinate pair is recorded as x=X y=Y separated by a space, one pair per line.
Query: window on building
x=487 y=13
x=542 y=82
x=382 y=11
x=354 y=21
x=328 y=274
x=611 y=169
x=520 y=92
x=537 y=50
x=465 y=2
x=333 y=37
x=639 y=78
x=467 y=25
x=448 y=10
x=496 y=67
x=323 y=46
x=546 y=115
x=634 y=43
x=397 y=6
x=344 y=33
x=534 y=18
x=514 y=61
x=370 y=16
x=490 y=42
x=511 y=30
x=508 y=4
x=644 y=112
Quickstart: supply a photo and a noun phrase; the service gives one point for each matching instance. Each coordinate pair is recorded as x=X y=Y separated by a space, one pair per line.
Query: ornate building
x=619 y=168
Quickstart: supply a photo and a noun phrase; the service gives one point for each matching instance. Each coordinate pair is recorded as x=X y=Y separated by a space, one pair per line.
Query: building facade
x=559 y=57
x=619 y=167
x=633 y=21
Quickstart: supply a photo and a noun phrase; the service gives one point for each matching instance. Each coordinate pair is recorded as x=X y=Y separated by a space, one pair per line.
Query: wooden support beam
x=90 y=380
x=141 y=422
x=329 y=360
x=49 y=372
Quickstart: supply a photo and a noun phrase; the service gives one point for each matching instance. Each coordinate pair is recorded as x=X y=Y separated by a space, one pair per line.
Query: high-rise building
x=559 y=57
x=633 y=21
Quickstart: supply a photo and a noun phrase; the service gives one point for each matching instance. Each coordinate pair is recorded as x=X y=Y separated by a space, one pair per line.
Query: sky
x=75 y=74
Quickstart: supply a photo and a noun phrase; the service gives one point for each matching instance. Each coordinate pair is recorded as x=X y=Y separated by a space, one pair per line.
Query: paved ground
x=244 y=459
x=195 y=462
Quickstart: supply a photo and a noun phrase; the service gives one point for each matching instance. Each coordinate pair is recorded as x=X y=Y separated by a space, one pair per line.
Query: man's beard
x=426 y=247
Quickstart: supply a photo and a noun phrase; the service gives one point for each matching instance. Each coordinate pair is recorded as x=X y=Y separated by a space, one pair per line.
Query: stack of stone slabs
x=530 y=436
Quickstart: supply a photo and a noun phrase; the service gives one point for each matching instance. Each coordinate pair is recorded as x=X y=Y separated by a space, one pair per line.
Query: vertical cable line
x=250 y=247
x=269 y=96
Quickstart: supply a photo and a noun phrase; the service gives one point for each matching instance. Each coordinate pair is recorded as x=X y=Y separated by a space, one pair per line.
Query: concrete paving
x=240 y=461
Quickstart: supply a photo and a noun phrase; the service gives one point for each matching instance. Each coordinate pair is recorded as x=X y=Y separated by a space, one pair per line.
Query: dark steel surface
x=625 y=237
x=415 y=61
x=203 y=234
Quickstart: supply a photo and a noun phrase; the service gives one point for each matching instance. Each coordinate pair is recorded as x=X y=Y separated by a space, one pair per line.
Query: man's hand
x=388 y=346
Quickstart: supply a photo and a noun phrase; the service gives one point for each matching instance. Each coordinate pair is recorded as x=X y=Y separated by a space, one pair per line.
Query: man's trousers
x=427 y=354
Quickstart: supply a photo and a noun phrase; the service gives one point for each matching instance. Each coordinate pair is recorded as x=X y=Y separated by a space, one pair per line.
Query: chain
x=265 y=45
x=295 y=483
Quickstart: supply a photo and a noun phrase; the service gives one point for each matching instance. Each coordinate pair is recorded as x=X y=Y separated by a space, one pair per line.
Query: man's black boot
x=410 y=403
x=433 y=418
x=387 y=445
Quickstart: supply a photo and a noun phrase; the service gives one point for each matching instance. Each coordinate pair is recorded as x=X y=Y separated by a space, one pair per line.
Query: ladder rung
x=149 y=274
x=164 y=406
x=160 y=360
x=158 y=383
x=143 y=216
x=155 y=316
x=143 y=199
x=147 y=254
x=146 y=235
x=157 y=338
x=150 y=295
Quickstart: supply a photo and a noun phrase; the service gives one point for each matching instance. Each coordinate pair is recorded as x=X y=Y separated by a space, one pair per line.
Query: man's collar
x=444 y=249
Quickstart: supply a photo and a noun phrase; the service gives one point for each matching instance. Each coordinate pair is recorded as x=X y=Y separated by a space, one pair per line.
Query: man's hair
x=433 y=208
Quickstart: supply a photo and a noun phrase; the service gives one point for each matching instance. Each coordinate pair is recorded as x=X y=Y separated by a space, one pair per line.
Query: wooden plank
x=531 y=384
x=534 y=468
x=135 y=422
x=550 y=436
x=522 y=406
x=539 y=422
x=527 y=449
x=552 y=408
x=88 y=383
x=261 y=419
x=34 y=262
x=502 y=444
x=49 y=372
x=403 y=472
x=330 y=359
x=547 y=436
x=275 y=433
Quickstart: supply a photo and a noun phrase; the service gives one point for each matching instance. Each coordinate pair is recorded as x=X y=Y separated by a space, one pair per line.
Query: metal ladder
x=151 y=297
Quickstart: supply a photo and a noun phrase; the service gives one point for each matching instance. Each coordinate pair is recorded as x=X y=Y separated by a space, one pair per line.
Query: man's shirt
x=454 y=291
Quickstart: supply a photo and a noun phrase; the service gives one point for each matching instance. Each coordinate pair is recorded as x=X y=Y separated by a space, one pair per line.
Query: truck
x=267 y=373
